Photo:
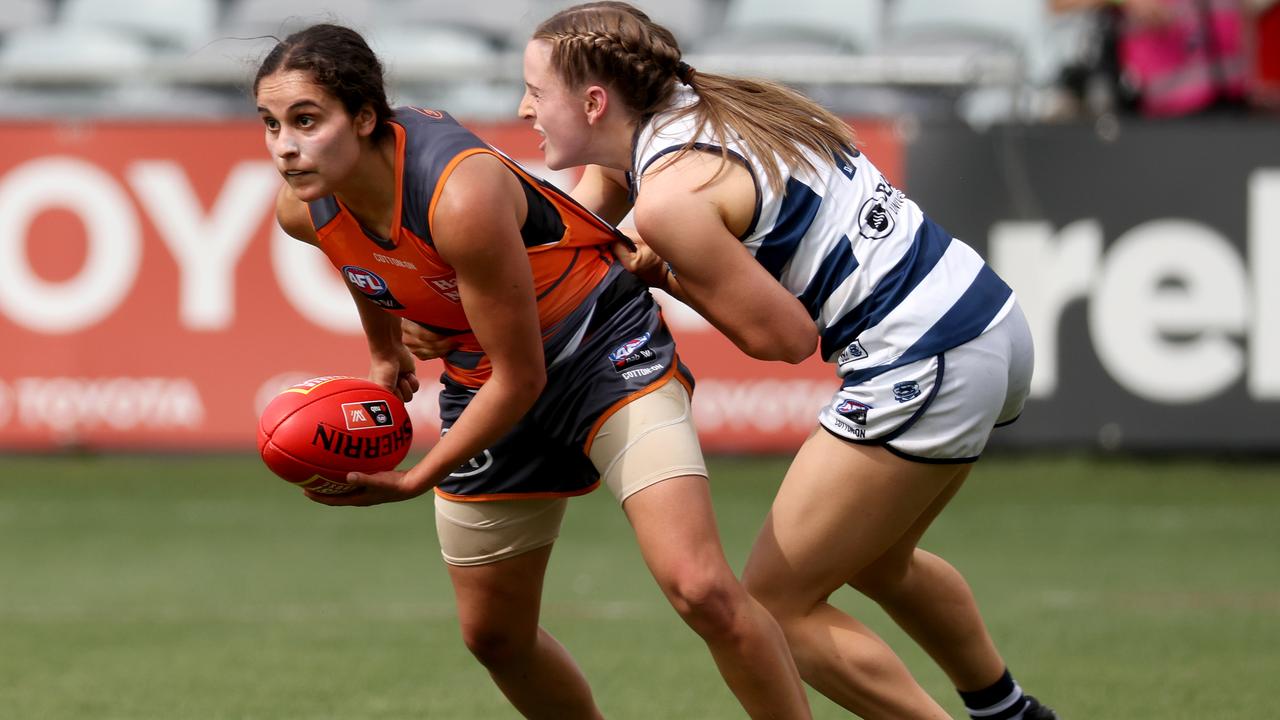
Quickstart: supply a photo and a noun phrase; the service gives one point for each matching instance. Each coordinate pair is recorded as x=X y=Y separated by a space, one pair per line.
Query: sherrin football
x=314 y=433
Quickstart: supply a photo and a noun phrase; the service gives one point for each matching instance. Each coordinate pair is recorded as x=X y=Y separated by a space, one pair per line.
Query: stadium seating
x=165 y=24
x=970 y=28
x=20 y=14
x=249 y=18
x=753 y=27
x=467 y=56
x=501 y=22
x=63 y=55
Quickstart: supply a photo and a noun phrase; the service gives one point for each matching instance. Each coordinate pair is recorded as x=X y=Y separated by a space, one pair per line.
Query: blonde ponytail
x=617 y=44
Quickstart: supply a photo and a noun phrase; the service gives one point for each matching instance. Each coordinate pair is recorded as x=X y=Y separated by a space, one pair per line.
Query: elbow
x=799 y=352
x=799 y=348
x=519 y=387
x=792 y=348
x=537 y=384
x=530 y=384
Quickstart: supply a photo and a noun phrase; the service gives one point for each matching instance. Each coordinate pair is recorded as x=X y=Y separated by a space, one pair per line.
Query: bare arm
x=390 y=364
x=476 y=228
x=688 y=226
x=602 y=191
x=477 y=231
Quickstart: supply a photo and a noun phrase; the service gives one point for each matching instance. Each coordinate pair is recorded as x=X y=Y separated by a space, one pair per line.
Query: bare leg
x=676 y=529
x=498 y=607
x=930 y=600
x=840 y=508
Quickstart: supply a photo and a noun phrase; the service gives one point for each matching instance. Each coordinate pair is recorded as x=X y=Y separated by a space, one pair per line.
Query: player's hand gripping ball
x=317 y=431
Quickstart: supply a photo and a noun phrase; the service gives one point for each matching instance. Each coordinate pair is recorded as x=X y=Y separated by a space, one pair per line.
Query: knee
x=769 y=593
x=881 y=580
x=710 y=601
x=495 y=645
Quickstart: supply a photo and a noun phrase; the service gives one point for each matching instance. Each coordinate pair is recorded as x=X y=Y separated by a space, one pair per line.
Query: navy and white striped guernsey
x=886 y=285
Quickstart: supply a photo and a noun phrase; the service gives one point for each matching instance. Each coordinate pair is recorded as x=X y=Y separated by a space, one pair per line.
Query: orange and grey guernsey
x=568 y=246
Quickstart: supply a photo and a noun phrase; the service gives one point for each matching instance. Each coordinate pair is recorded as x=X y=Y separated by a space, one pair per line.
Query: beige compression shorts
x=644 y=442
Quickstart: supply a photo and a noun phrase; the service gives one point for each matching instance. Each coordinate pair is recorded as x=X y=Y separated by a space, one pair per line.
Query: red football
x=317 y=431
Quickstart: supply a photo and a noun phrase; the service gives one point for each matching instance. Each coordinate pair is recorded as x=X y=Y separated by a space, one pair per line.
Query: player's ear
x=365 y=121
x=595 y=102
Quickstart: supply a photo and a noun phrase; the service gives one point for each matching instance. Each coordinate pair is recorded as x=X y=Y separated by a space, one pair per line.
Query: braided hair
x=617 y=44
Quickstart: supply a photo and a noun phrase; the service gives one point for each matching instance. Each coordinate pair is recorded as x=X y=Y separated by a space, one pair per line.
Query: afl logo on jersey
x=631 y=353
x=628 y=349
x=371 y=286
x=853 y=410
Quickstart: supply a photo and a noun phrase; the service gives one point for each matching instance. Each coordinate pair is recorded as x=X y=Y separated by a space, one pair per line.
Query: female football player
x=751 y=199
x=563 y=371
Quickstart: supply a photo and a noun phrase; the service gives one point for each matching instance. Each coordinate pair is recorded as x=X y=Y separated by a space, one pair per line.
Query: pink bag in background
x=1189 y=63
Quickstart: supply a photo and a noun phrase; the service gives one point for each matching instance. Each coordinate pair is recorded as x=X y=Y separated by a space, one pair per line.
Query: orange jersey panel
x=568 y=246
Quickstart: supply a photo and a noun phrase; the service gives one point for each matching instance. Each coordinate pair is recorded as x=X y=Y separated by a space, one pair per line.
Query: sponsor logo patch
x=474 y=466
x=855 y=351
x=904 y=391
x=366 y=415
x=853 y=410
x=388 y=260
x=643 y=372
x=445 y=285
x=845 y=166
x=850 y=430
x=878 y=215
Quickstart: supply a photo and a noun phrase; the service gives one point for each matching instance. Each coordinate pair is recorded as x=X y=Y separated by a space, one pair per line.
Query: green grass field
x=137 y=588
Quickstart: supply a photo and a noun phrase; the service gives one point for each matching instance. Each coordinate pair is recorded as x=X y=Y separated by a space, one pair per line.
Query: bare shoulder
x=481 y=174
x=699 y=182
x=293 y=215
x=480 y=184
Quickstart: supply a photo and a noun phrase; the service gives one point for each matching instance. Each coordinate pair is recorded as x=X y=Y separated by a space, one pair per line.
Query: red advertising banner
x=148 y=300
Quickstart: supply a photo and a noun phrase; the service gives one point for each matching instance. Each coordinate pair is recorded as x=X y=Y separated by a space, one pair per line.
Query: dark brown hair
x=340 y=61
x=617 y=44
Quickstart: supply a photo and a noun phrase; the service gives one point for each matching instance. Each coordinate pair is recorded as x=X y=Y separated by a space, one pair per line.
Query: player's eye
x=305 y=121
x=271 y=123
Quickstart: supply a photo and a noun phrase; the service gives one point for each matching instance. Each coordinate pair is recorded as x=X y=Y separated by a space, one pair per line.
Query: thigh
x=894 y=561
x=675 y=527
x=503 y=597
x=839 y=509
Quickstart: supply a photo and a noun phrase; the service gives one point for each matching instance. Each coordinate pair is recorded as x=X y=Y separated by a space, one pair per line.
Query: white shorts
x=941 y=409
x=646 y=441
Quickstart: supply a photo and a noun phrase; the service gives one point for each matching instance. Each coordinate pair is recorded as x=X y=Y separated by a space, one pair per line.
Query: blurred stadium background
x=1122 y=536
